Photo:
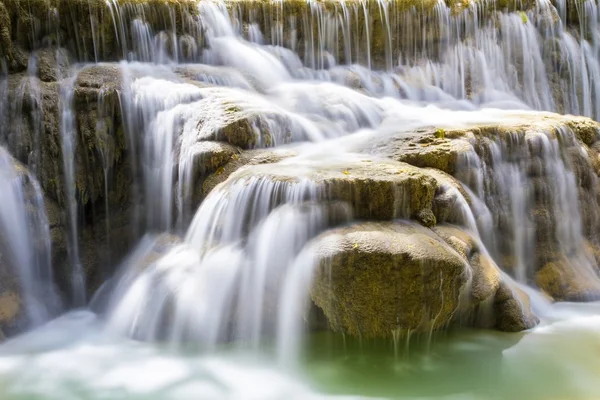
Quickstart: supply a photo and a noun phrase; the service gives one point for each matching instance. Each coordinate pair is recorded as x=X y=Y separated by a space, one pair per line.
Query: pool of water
x=73 y=357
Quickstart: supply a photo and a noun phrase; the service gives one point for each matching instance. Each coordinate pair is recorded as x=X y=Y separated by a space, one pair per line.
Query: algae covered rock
x=485 y=280
x=512 y=308
x=377 y=279
x=569 y=280
x=428 y=149
x=373 y=279
x=375 y=189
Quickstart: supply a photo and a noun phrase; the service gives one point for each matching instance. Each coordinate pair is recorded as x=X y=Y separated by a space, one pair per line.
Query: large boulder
x=374 y=279
x=380 y=279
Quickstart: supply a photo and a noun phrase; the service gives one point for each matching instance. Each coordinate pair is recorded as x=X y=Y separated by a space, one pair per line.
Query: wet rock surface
x=375 y=279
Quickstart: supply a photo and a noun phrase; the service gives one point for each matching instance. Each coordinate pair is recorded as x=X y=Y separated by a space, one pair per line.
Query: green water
x=75 y=358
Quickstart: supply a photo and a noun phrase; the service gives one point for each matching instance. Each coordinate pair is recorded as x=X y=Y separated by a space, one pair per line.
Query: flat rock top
x=393 y=238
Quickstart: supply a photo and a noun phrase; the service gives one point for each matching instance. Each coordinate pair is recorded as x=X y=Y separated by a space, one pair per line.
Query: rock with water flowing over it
x=102 y=169
x=373 y=279
x=486 y=279
x=229 y=115
x=535 y=179
x=375 y=189
x=27 y=291
x=35 y=137
x=492 y=299
x=237 y=161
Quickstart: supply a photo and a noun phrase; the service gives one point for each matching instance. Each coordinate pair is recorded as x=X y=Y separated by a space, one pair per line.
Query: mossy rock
x=512 y=308
x=570 y=279
x=485 y=279
x=375 y=189
x=374 y=279
x=237 y=161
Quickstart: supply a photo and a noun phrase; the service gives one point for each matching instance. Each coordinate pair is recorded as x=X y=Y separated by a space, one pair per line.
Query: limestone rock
x=237 y=161
x=494 y=300
x=52 y=63
x=569 y=280
x=425 y=150
x=485 y=280
x=99 y=137
x=375 y=278
x=376 y=190
x=512 y=309
x=240 y=119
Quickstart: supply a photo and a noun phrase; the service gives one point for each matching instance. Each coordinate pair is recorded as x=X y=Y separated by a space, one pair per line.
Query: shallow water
x=73 y=357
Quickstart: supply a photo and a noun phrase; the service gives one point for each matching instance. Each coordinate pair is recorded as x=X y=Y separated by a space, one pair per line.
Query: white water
x=242 y=271
x=26 y=247
x=68 y=132
x=74 y=357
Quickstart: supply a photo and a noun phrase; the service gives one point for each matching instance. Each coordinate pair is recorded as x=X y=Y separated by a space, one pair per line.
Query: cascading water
x=231 y=228
x=68 y=138
x=25 y=241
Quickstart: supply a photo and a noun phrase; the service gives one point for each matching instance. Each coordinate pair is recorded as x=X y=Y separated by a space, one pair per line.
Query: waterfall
x=68 y=131
x=243 y=269
x=247 y=132
x=25 y=243
x=242 y=242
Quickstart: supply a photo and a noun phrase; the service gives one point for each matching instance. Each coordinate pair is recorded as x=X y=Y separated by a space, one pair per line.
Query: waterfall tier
x=378 y=168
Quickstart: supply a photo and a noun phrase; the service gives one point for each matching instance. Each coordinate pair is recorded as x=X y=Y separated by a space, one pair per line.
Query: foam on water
x=74 y=357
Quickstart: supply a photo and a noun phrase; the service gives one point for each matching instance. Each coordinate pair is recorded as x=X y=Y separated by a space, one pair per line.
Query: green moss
x=374 y=279
x=232 y=109
x=5 y=34
x=86 y=26
x=524 y=17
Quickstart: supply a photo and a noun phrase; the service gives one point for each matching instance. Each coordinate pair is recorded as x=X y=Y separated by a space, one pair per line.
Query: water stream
x=214 y=299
